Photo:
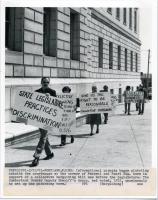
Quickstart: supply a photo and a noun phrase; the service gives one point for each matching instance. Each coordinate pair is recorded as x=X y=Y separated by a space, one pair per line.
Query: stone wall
x=33 y=63
x=24 y=69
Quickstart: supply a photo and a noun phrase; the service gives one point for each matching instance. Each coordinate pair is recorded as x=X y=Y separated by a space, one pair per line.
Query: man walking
x=43 y=141
x=105 y=89
x=126 y=100
x=141 y=102
x=137 y=103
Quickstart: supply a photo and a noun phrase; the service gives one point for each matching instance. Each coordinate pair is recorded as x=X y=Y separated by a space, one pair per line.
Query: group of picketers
x=139 y=104
x=93 y=119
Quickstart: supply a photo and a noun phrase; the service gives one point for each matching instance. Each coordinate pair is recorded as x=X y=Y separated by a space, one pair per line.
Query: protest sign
x=134 y=97
x=68 y=121
x=139 y=96
x=129 y=96
x=38 y=109
x=95 y=103
x=114 y=100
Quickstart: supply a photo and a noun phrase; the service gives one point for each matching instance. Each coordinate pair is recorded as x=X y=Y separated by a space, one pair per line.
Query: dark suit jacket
x=48 y=90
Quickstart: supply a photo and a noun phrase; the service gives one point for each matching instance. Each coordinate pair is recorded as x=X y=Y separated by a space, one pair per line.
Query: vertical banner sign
x=68 y=120
x=38 y=109
x=139 y=96
x=114 y=100
x=95 y=103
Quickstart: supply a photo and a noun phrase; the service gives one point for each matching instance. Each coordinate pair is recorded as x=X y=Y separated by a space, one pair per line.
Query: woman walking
x=94 y=119
x=126 y=100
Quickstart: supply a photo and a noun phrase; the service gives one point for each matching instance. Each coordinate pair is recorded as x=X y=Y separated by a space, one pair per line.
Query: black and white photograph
x=79 y=91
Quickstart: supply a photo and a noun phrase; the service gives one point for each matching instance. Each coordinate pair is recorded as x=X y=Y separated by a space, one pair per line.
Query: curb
x=80 y=120
x=21 y=138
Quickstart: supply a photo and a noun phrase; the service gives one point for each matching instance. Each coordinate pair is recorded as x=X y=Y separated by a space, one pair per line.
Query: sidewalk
x=124 y=142
x=18 y=132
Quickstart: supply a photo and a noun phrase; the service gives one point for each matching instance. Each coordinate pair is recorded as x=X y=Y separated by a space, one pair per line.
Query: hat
x=66 y=89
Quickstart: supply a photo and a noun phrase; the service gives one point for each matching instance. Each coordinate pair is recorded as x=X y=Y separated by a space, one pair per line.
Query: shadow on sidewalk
x=19 y=164
x=82 y=135
x=123 y=114
x=32 y=148
x=75 y=136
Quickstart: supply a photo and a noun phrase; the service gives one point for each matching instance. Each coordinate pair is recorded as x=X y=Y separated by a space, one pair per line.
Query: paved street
x=124 y=142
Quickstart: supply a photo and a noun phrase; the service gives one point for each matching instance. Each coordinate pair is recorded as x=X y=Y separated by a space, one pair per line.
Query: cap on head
x=66 y=89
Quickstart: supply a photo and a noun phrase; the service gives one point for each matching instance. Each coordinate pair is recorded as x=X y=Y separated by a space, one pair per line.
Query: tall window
x=135 y=20
x=110 y=55
x=136 y=62
x=124 y=16
x=131 y=61
x=14 y=28
x=119 y=57
x=125 y=59
x=120 y=95
x=49 y=32
x=130 y=18
x=74 y=35
x=118 y=13
x=109 y=10
x=100 y=50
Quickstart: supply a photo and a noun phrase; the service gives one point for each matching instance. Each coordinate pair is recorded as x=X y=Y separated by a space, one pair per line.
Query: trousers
x=141 y=107
x=43 y=144
x=137 y=106
x=105 y=117
x=127 y=107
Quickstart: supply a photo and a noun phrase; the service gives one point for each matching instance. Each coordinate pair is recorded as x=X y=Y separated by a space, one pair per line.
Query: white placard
x=69 y=116
x=134 y=97
x=95 y=103
x=41 y=110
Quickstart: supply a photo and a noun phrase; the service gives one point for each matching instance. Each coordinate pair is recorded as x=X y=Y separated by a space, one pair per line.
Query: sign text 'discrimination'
x=38 y=109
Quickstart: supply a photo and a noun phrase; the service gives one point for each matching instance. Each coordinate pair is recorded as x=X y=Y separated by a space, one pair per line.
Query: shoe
x=49 y=157
x=91 y=134
x=129 y=113
x=139 y=113
x=72 y=139
x=35 y=162
x=97 y=131
x=105 y=122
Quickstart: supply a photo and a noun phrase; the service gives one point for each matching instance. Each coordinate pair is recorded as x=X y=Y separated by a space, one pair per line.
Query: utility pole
x=147 y=83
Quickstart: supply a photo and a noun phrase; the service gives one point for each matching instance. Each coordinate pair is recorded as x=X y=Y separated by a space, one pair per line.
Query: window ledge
x=13 y=57
x=13 y=52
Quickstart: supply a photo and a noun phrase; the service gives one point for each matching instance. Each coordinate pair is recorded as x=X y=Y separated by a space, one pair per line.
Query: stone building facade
x=73 y=46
